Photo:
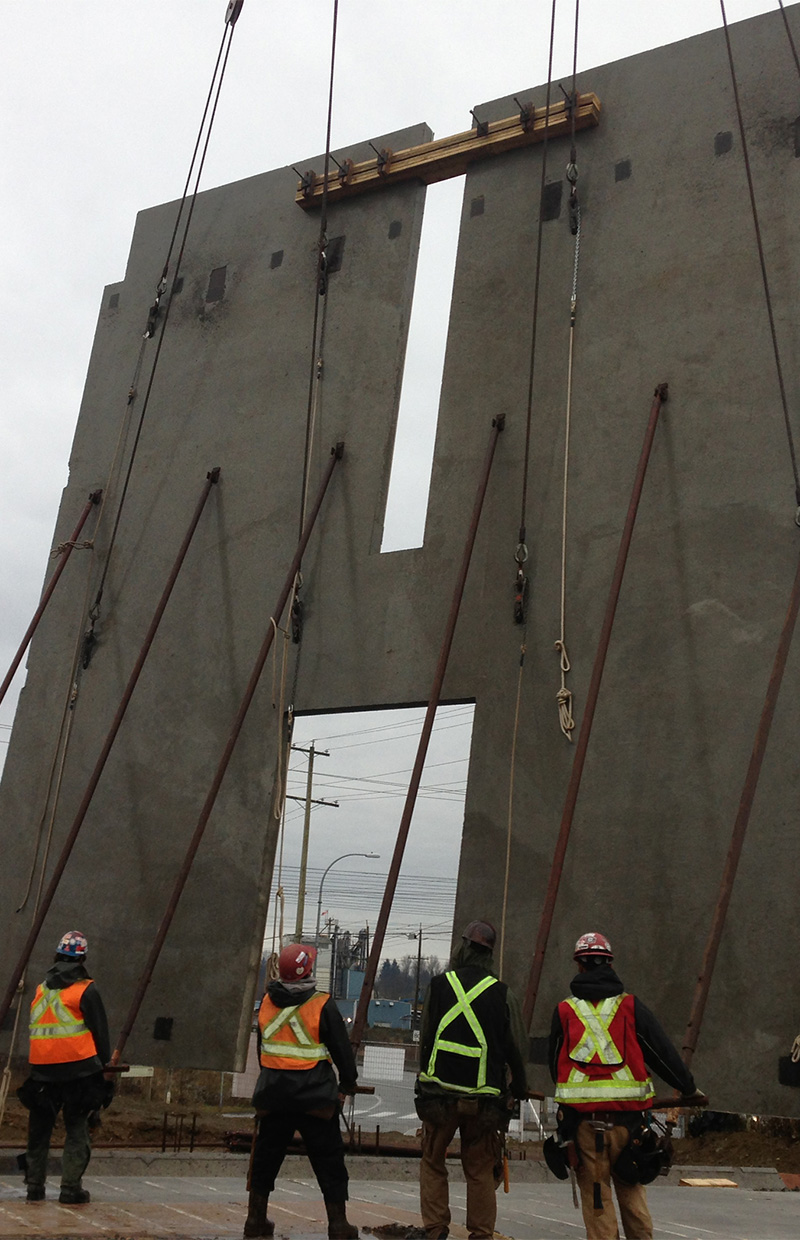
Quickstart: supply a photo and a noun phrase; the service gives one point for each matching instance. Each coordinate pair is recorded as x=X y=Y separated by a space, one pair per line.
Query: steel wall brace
x=69 y=547
x=416 y=775
x=740 y=825
x=52 y=887
x=582 y=745
x=180 y=882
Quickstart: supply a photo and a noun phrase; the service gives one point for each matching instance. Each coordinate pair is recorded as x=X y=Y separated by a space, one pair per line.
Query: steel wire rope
x=218 y=77
x=320 y=290
x=790 y=36
x=763 y=264
x=68 y=713
x=536 y=287
x=521 y=554
x=317 y=362
x=564 y=695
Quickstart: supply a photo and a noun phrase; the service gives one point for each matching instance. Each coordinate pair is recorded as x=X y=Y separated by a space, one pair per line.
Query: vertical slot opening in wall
x=409 y=483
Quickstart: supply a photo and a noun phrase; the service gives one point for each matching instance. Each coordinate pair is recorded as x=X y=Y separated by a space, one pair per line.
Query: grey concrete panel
x=669 y=291
x=231 y=390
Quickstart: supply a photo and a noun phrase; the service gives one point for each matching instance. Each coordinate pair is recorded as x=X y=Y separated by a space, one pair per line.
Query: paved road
x=391 y=1107
x=202 y=1208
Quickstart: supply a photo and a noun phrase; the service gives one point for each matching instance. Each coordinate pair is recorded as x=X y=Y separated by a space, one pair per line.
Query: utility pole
x=301 y=894
x=414 y=1021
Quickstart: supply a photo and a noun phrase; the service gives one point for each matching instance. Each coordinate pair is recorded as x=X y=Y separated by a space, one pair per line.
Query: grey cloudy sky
x=102 y=103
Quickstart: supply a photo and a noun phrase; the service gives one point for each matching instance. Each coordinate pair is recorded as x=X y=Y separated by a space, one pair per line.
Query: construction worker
x=472 y=1034
x=300 y=1030
x=602 y=1042
x=69 y=1046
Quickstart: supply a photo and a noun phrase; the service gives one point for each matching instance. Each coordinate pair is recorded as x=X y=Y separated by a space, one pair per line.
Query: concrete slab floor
x=210 y=1208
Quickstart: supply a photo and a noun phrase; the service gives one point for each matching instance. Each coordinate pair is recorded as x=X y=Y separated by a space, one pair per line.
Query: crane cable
x=789 y=36
x=157 y=313
x=82 y=648
x=763 y=263
x=317 y=357
x=521 y=553
x=564 y=695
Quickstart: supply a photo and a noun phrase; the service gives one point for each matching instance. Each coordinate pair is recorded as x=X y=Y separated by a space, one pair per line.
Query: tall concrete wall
x=669 y=291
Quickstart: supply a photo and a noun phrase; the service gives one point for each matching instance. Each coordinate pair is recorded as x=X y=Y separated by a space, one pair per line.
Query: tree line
x=397 y=980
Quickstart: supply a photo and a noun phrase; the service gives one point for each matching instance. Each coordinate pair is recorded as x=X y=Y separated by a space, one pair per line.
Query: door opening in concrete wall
x=407 y=500
x=363 y=762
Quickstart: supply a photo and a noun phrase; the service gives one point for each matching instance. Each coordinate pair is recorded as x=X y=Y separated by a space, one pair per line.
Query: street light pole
x=372 y=856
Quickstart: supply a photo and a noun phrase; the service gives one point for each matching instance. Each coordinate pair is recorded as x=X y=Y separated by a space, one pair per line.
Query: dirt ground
x=134 y=1121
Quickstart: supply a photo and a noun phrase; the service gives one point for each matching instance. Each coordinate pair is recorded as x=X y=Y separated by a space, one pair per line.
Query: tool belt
x=435 y=1108
x=648 y=1154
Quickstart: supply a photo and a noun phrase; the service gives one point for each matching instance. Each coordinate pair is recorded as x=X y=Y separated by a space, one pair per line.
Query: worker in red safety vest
x=300 y=1031
x=602 y=1043
x=69 y=1047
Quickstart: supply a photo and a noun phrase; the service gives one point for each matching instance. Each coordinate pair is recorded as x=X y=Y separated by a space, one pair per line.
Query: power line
x=448 y=712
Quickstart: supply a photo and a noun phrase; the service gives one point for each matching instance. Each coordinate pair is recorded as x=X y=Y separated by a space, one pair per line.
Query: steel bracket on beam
x=449 y=157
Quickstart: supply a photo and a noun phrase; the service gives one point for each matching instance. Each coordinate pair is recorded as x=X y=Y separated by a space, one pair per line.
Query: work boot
x=257 y=1223
x=36 y=1192
x=74 y=1196
x=338 y=1226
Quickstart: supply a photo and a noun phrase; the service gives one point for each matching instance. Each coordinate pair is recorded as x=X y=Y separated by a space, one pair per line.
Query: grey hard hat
x=481 y=932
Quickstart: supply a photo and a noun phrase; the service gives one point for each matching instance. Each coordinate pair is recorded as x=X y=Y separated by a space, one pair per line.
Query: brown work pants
x=481 y=1158
x=599 y=1168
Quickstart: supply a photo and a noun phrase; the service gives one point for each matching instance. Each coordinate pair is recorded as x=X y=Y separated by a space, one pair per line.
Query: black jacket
x=308 y=1089
x=500 y=1017
x=60 y=975
x=660 y=1055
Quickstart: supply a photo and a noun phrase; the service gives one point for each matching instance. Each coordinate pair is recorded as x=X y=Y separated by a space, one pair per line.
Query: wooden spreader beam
x=449 y=157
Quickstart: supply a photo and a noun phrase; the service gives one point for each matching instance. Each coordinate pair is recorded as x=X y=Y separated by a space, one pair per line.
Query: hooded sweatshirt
x=60 y=975
x=310 y=1089
x=508 y=1043
x=660 y=1055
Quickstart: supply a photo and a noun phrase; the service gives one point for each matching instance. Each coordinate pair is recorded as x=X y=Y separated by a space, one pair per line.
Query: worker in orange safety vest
x=300 y=1031
x=69 y=1047
x=603 y=1041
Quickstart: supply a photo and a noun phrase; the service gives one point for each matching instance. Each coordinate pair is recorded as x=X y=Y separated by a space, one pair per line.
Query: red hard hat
x=593 y=944
x=481 y=932
x=296 y=962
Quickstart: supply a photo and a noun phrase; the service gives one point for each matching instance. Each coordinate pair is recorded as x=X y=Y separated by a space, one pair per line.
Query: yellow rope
x=60 y=548
x=564 y=695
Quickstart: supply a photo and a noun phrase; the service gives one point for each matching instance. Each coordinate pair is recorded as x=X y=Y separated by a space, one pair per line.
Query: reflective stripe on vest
x=463 y=1007
x=597 y=1047
x=287 y=1041
x=596 y=1038
x=58 y=1031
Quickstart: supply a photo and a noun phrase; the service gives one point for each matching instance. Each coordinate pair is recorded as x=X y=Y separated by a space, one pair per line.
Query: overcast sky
x=102 y=104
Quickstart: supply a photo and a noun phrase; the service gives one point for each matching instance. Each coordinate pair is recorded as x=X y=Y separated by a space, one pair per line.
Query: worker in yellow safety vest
x=300 y=1031
x=69 y=1047
x=603 y=1042
x=473 y=1051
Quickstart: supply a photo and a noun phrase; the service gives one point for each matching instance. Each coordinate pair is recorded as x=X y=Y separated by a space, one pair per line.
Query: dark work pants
x=324 y=1146
x=69 y=1096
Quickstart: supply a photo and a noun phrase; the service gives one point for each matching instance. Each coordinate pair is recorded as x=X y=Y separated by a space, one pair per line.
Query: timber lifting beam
x=449 y=157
